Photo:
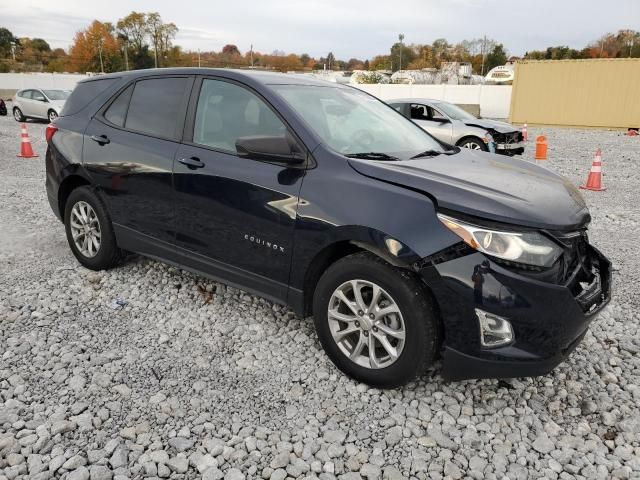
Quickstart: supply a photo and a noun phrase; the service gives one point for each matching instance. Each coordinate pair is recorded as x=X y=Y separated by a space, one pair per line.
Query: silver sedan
x=455 y=126
x=39 y=103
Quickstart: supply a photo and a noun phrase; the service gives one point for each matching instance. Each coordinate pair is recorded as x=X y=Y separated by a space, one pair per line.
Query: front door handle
x=100 y=139
x=192 y=162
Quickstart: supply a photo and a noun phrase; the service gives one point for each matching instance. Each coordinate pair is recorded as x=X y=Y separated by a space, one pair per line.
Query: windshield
x=56 y=94
x=454 y=112
x=352 y=122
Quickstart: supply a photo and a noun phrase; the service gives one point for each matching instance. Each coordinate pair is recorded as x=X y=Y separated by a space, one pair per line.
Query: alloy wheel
x=472 y=146
x=366 y=324
x=17 y=115
x=52 y=116
x=85 y=229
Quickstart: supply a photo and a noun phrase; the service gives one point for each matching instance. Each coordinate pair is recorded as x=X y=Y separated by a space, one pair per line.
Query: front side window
x=350 y=121
x=227 y=111
x=156 y=105
x=37 y=95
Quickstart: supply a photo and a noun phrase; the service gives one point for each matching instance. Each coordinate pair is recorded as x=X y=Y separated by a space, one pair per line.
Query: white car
x=38 y=103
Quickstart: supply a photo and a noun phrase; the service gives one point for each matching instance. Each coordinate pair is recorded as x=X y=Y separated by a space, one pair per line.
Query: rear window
x=84 y=93
x=156 y=105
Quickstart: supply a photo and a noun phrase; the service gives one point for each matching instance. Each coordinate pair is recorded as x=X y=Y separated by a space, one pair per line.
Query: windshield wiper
x=372 y=156
x=434 y=153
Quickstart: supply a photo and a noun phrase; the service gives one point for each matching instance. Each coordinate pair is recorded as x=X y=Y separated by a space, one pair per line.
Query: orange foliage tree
x=89 y=45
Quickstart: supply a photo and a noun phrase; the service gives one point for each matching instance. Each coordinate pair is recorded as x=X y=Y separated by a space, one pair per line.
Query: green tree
x=6 y=39
x=495 y=58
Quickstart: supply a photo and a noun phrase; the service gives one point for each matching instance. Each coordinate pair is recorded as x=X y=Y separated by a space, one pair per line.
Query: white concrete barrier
x=494 y=100
x=18 y=81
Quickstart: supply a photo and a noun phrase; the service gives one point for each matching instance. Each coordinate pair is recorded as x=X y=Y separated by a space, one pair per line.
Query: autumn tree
x=91 y=45
x=133 y=30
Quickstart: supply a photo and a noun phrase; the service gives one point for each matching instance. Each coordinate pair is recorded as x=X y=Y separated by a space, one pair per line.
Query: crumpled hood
x=484 y=185
x=501 y=127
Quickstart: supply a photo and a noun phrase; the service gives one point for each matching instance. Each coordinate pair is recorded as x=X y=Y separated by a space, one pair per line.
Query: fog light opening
x=495 y=331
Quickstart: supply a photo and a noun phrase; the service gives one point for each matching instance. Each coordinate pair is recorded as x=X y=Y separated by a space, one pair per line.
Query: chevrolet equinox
x=319 y=196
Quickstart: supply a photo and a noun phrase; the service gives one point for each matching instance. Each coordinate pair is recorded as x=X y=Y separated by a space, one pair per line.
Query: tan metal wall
x=582 y=93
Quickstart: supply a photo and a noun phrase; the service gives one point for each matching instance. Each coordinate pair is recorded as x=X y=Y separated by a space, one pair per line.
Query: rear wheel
x=89 y=230
x=375 y=321
x=17 y=114
x=473 y=144
x=52 y=115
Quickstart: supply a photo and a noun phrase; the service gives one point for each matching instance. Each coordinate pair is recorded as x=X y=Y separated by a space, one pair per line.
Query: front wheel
x=89 y=230
x=473 y=144
x=52 y=115
x=375 y=321
x=17 y=114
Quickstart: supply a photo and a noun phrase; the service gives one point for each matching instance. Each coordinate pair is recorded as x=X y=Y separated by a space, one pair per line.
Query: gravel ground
x=190 y=378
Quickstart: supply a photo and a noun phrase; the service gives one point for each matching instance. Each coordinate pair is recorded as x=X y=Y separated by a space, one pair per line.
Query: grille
x=511 y=137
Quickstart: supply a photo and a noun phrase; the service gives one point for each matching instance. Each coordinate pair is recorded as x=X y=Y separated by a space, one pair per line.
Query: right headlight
x=530 y=248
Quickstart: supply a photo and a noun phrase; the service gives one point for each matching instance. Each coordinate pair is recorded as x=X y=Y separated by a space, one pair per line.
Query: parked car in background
x=3 y=108
x=455 y=126
x=39 y=103
x=321 y=197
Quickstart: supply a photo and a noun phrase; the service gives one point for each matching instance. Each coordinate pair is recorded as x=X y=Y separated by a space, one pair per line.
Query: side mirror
x=278 y=149
x=442 y=120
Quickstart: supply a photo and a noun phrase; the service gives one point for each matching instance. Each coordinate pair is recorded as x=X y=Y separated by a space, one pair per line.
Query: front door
x=234 y=216
x=433 y=121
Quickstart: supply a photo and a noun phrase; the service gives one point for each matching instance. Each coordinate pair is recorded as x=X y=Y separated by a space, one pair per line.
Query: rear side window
x=84 y=93
x=156 y=105
x=117 y=111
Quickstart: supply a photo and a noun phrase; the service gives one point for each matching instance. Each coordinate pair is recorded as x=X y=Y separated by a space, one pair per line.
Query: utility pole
x=252 y=55
x=100 y=53
x=13 y=50
x=401 y=38
x=198 y=58
x=484 y=50
x=126 y=54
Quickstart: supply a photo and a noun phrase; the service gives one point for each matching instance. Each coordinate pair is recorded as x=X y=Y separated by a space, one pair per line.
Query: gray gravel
x=190 y=378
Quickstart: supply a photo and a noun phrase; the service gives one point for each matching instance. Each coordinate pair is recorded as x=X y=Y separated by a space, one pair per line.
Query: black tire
x=422 y=327
x=18 y=115
x=473 y=143
x=108 y=254
x=52 y=115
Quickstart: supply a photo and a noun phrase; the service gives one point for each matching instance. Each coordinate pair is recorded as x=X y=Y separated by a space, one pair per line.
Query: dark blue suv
x=321 y=197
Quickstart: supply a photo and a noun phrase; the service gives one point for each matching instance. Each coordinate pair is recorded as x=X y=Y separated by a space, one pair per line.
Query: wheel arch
x=69 y=184
x=470 y=137
x=358 y=240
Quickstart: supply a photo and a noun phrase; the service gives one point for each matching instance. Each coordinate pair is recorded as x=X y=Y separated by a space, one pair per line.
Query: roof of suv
x=260 y=76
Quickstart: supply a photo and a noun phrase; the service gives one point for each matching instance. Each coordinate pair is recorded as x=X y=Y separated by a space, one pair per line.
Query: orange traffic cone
x=525 y=134
x=594 y=181
x=25 y=146
x=541 y=147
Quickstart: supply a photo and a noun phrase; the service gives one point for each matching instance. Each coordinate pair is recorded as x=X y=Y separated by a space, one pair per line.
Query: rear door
x=26 y=104
x=234 y=216
x=433 y=121
x=129 y=149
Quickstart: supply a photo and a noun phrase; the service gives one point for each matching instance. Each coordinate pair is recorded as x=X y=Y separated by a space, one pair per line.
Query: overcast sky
x=348 y=28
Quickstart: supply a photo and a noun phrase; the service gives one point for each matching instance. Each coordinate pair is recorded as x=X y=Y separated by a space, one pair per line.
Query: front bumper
x=510 y=148
x=549 y=320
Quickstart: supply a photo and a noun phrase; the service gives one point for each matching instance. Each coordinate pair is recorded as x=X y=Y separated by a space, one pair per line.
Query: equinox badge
x=264 y=243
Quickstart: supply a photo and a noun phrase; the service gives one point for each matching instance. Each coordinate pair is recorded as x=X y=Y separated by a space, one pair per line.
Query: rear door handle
x=192 y=162
x=100 y=139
